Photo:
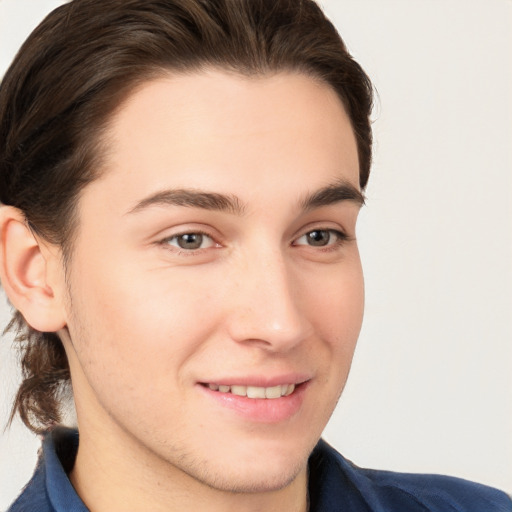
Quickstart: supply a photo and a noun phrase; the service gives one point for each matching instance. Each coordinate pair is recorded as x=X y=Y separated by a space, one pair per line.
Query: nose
x=267 y=304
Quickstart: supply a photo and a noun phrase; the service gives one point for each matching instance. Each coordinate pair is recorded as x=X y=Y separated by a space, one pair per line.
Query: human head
x=76 y=69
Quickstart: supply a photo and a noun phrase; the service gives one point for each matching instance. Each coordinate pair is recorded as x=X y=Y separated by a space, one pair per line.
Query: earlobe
x=24 y=273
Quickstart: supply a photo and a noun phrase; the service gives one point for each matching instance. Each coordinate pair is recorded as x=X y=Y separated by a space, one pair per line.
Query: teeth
x=274 y=392
x=290 y=390
x=239 y=390
x=254 y=391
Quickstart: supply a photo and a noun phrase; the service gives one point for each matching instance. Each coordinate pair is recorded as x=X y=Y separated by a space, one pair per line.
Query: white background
x=431 y=384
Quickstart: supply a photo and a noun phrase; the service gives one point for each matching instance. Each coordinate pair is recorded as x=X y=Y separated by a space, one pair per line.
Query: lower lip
x=261 y=410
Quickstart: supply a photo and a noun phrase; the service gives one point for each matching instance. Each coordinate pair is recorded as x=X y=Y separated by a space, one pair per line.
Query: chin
x=236 y=470
x=252 y=479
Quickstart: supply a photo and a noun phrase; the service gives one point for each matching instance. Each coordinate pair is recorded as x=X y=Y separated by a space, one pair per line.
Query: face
x=215 y=288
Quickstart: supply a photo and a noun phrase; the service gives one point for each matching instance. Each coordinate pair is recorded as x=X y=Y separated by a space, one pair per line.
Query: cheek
x=337 y=312
x=145 y=322
x=133 y=339
x=337 y=306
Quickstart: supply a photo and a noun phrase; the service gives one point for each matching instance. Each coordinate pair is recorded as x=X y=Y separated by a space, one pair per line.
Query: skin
x=146 y=322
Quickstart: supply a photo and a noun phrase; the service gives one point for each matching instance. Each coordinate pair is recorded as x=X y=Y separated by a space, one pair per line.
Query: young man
x=180 y=185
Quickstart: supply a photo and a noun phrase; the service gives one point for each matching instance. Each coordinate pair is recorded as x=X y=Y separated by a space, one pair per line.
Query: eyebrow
x=331 y=194
x=192 y=198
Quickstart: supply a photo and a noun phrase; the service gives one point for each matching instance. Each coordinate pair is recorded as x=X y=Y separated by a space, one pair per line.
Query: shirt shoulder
x=34 y=496
x=437 y=492
x=49 y=489
x=340 y=482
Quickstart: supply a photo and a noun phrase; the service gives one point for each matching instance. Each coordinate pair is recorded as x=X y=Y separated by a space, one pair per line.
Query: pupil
x=190 y=241
x=319 y=238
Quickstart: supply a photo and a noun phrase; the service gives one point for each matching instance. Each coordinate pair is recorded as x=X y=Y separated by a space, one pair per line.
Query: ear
x=29 y=272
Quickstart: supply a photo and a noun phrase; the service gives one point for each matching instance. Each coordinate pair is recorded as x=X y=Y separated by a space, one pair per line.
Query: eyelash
x=188 y=252
x=340 y=239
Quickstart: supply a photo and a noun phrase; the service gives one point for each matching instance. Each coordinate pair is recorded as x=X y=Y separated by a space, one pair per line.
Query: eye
x=190 y=241
x=321 y=238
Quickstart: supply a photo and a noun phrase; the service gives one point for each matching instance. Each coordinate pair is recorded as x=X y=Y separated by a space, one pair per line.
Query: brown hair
x=76 y=68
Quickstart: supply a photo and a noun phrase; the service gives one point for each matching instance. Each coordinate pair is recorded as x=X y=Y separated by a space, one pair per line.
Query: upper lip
x=260 y=381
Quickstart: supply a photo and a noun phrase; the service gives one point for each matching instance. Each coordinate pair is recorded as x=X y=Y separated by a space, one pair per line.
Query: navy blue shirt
x=335 y=484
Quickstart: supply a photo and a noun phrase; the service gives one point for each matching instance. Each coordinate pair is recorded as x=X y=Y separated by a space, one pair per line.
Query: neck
x=108 y=476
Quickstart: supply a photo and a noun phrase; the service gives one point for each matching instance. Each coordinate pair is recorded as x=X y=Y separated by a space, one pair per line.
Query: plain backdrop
x=431 y=383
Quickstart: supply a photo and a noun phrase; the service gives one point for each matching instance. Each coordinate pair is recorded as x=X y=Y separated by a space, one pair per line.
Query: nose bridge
x=267 y=306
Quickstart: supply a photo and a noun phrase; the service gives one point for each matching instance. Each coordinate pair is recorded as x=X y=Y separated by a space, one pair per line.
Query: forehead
x=223 y=131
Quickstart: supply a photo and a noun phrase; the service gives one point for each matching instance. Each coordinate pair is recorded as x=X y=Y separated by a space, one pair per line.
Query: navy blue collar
x=59 y=453
x=334 y=484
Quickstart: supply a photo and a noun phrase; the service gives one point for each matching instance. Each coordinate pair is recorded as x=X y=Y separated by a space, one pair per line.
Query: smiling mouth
x=273 y=392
